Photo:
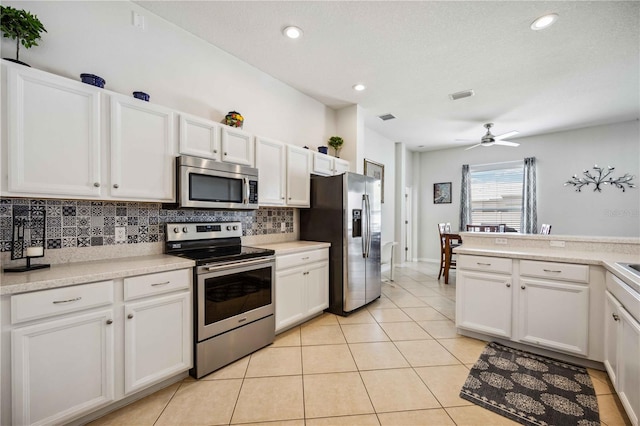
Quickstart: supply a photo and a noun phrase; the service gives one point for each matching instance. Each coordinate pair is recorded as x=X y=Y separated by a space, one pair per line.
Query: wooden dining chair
x=446 y=262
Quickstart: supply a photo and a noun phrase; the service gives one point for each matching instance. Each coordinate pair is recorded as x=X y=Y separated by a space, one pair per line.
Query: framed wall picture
x=442 y=193
x=375 y=170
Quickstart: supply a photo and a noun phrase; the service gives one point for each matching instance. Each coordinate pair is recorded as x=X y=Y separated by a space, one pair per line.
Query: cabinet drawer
x=46 y=303
x=556 y=271
x=301 y=258
x=162 y=282
x=483 y=263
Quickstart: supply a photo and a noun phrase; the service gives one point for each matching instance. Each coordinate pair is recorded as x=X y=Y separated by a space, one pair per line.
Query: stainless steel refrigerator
x=346 y=212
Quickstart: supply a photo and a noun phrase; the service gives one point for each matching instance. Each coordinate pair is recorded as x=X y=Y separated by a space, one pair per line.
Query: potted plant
x=336 y=142
x=21 y=26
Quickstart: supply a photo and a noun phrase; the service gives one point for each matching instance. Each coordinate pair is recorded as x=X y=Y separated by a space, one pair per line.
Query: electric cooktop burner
x=210 y=242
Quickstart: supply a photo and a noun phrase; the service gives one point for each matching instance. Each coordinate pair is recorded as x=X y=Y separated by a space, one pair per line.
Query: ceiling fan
x=488 y=139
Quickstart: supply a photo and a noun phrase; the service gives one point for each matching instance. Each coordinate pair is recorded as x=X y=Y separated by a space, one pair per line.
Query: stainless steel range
x=234 y=292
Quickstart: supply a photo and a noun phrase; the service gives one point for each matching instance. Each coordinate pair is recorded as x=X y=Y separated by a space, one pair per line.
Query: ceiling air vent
x=461 y=95
x=386 y=117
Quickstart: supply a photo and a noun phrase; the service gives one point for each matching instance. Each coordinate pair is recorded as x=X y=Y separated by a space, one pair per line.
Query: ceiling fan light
x=292 y=32
x=359 y=87
x=544 y=22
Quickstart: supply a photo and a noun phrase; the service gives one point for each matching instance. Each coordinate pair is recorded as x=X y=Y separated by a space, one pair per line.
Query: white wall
x=176 y=68
x=381 y=150
x=559 y=156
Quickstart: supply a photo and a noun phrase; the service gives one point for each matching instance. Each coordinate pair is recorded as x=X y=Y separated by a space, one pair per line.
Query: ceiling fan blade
x=471 y=147
x=506 y=143
x=506 y=135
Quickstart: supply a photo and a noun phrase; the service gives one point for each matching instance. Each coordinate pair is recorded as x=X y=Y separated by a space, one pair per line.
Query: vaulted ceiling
x=584 y=70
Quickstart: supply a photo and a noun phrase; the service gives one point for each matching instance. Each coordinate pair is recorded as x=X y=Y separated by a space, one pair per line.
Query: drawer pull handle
x=305 y=258
x=523 y=287
x=164 y=283
x=109 y=322
x=67 y=301
x=483 y=264
x=616 y=317
x=508 y=284
x=130 y=316
x=242 y=319
x=551 y=270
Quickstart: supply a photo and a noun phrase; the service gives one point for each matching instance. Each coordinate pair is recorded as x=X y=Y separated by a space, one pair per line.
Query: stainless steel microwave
x=209 y=184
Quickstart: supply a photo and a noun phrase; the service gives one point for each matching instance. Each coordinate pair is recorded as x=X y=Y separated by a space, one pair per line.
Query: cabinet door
x=158 y=340
x=237 y=146
x=199 y=137
x=611 y=319
x=322 y=164
x=271 y=163
x=53 y=135
x=62 y=368
x=291 y=305
x=554 y=315
x=483 y=303
x=317 y=287
x=629 y=365
x=143 y=147
x=340 y=166
x=298 y=177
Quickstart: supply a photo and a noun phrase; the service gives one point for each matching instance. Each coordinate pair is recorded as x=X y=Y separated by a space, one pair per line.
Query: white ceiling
x=582 y=71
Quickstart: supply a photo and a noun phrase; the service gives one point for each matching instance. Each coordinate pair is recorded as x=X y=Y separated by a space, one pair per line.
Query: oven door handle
x=234 y=264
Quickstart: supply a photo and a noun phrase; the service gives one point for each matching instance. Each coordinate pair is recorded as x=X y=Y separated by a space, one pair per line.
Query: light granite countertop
x=67 y=274
x=290 y=247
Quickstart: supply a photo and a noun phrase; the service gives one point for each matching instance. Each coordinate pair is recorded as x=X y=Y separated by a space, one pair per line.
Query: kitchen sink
x=634 y=268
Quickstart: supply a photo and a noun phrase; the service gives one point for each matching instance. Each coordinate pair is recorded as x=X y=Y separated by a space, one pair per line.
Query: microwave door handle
x=246 y=191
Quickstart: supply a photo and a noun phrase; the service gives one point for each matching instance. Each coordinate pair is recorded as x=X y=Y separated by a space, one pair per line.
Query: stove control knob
x=185 y=229
x=228 y=228
x=176 y=230
x=235 y=228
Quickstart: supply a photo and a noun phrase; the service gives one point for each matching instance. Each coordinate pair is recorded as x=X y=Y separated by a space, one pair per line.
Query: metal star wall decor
x=600 y=178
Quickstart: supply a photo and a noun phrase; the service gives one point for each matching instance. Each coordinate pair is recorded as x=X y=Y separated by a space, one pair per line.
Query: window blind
x=496 y=194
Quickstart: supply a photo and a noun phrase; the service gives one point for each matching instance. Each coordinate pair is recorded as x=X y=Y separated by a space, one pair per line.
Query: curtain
x=465 y=199
x=529 y=218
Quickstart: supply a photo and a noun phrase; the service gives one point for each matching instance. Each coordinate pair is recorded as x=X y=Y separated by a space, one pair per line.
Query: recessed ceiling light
x=292 y=32
x=544 y=21
x=359 y=87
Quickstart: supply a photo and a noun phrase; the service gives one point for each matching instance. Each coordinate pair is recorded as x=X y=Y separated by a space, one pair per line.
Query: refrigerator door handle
x=364 y=234
x=368 y=228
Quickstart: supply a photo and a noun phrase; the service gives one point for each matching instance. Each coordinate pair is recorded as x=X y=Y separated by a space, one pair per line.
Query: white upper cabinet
x=53 y=129
x=237 y=146
x=326 y=165
x=340 y=166
x=200 y=137
x=57 y=144
x=142 y=150
x=271 y=159
x=298 y=177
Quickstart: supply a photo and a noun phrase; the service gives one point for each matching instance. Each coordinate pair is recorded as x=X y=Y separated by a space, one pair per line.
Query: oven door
x=231 y=295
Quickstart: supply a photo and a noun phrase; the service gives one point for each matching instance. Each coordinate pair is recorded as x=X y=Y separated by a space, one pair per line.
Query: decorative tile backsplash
x=71 y=223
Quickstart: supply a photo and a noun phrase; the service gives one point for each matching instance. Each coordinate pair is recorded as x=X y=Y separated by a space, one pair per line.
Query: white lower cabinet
x=62 y=368
x=302 y=286
x=554 y=315
x=157 y=340
x=63 y=353
x=501 y=297
x=622 y=346
x=483 y=302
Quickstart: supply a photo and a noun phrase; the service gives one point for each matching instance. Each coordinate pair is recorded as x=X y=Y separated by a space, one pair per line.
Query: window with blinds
x=496 y=194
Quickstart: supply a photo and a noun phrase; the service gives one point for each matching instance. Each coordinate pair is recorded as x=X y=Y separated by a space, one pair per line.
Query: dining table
x=451 y=240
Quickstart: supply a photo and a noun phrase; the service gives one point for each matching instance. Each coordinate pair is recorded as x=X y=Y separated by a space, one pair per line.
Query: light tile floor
x=399 y=361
